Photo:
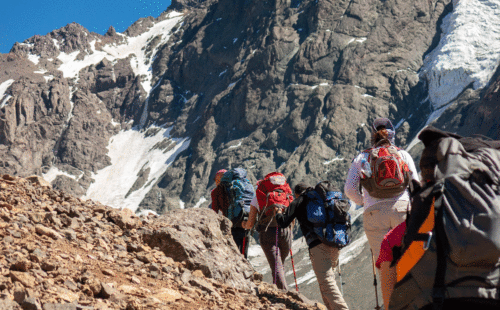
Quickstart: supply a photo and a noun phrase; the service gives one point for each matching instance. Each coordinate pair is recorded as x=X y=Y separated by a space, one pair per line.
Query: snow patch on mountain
x=54 y=172
x=3 y=88
x=200 y=202
x=4 y=101
x=467 y=53
x=333 y=160
x=352 y=250
x=146 y=213
x=310 y=275
x=132 y=151
x=235 y=146
x=140 y=62
x=70 y=67
x=34 y=58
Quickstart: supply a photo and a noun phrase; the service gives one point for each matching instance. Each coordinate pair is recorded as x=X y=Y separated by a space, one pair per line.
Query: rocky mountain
x=144 y=119
x=59 y=252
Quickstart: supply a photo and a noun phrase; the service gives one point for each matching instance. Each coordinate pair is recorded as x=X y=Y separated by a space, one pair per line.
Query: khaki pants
x=324 y=260
x=379 y=219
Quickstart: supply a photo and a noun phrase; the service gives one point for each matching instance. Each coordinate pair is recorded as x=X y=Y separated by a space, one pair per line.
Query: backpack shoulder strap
x=439 y=288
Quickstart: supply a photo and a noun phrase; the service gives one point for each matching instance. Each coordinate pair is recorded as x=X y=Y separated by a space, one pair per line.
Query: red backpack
x=387 y=175
x=272 y=191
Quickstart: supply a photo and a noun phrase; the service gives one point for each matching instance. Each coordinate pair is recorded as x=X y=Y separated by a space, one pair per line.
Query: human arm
x=285 y=219
x=351 y=186
x=252 y=217
x=411 y=165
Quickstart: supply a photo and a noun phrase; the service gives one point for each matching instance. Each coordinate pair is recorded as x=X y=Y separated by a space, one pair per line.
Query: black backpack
x=451 y=248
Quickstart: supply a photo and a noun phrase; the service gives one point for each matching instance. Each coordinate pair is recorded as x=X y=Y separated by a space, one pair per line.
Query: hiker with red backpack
x=220 y=200
x=232 y=197
x=325 y=223
x=378 y=179
x=273 y=193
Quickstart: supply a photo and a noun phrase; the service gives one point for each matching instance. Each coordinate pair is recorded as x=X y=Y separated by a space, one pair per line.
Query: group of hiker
x=415 y=225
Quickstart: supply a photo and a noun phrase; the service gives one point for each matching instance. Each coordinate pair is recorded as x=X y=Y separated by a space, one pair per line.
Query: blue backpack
x=329 y=215
x=240 y=192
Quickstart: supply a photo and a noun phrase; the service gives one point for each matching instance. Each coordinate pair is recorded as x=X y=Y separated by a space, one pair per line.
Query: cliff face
x=266 y=85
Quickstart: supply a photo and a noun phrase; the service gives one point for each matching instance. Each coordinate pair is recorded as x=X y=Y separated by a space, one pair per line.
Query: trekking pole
x=375 y=282
x=293 y=267
x=243 y=247
x=340 y=276
x=276 y=260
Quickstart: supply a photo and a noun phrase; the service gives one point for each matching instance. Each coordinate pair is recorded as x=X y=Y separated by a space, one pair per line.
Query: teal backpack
x=240 y=193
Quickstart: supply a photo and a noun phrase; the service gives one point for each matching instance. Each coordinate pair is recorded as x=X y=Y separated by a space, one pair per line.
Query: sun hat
x=382 y=121
x=219 y=175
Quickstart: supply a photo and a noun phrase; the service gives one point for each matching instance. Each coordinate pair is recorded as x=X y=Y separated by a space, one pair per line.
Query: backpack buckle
x=428 y=242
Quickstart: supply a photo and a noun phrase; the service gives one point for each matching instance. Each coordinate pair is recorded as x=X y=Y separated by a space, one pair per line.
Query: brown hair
x=300 y=188
x=380 y=135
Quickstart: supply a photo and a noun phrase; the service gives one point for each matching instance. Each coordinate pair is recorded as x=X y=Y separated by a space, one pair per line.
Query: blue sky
x=22 y=19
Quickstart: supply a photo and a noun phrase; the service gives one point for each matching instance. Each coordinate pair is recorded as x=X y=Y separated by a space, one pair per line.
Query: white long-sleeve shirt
x=351 y=187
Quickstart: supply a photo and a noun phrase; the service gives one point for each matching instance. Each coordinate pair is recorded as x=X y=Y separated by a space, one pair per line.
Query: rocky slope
x=58 y=252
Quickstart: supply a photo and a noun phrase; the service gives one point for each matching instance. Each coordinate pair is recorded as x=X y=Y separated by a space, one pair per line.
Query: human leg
x=379 y=219
x=238 y=236
x=285 y=242
x=267 y=240
x=387 y=282
x=324 y=260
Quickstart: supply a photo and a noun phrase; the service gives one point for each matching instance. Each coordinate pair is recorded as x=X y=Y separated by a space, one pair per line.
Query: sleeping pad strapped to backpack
x=328 y=213
x=450 y=257
x=272 y=191
x=240 y=192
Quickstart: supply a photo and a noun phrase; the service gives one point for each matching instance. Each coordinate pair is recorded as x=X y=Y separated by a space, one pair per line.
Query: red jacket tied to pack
x=273 y=190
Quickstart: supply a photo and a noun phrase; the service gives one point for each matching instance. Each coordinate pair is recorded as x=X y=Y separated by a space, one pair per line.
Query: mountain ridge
x=144 y=119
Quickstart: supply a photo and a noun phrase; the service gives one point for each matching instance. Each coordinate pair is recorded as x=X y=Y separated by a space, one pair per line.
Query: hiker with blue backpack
x=325 y=223
x=232 y=198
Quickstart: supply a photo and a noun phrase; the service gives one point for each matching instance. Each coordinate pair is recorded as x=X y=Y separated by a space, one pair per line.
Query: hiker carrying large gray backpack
x=450 y=258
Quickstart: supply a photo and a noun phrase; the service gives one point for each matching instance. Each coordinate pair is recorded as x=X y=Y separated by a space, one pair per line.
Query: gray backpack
x=451 y=248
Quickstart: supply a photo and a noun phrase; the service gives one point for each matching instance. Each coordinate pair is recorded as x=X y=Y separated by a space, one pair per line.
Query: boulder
x=203 y=240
